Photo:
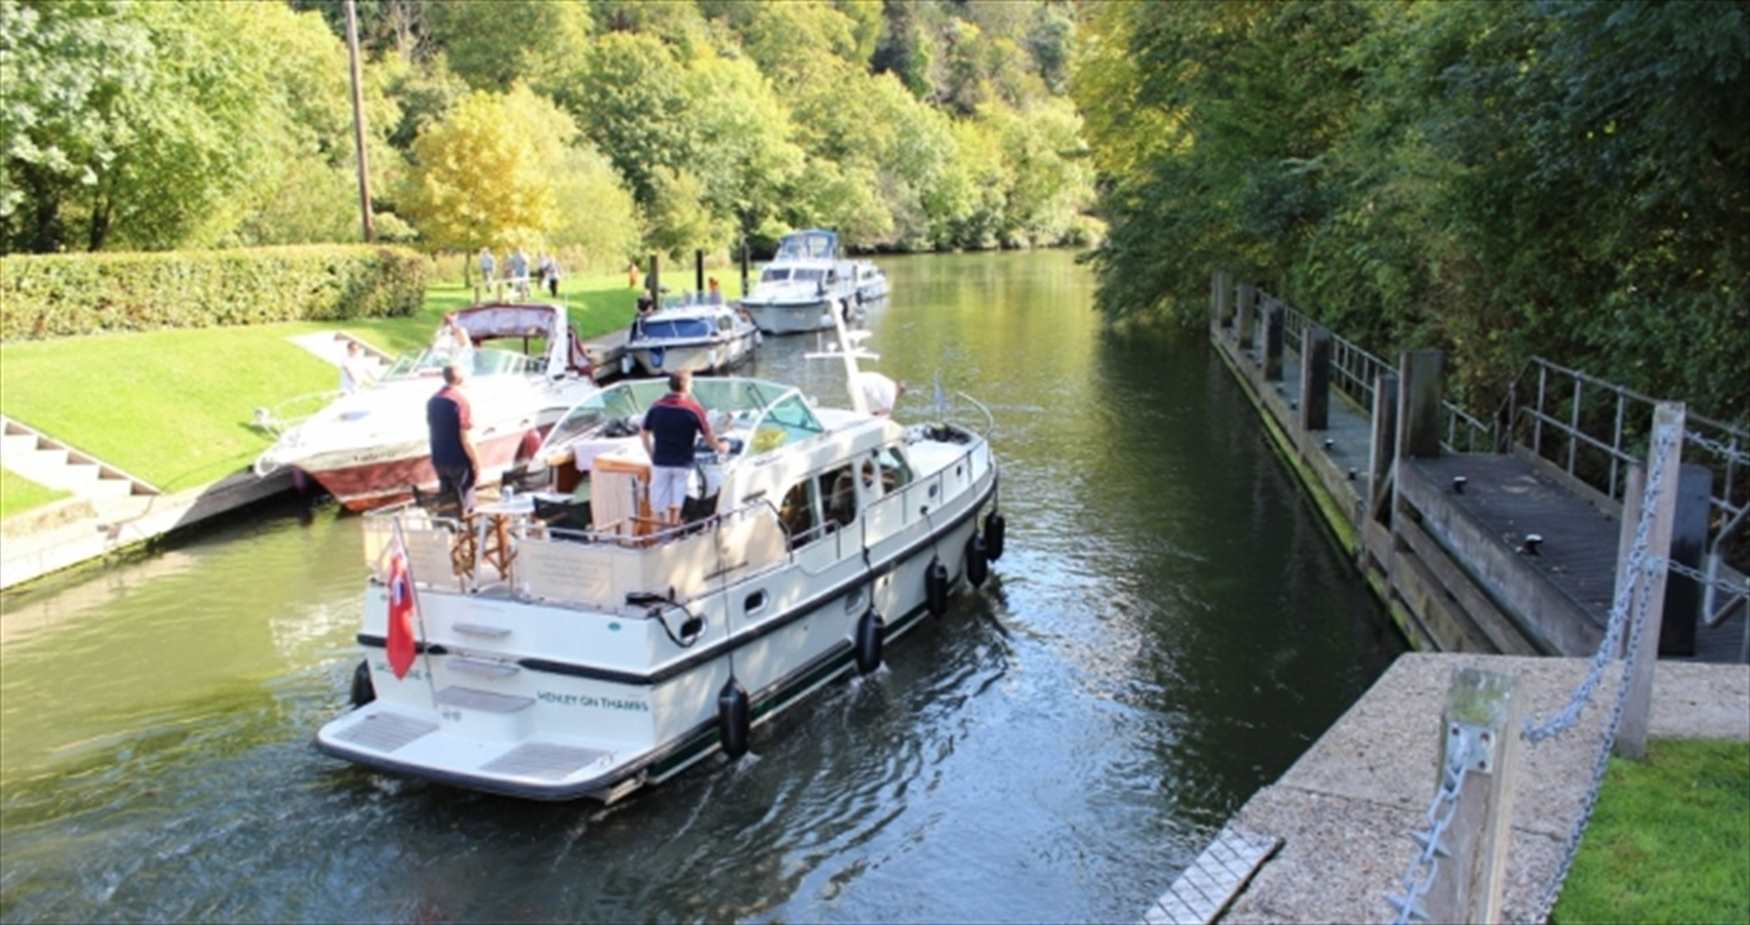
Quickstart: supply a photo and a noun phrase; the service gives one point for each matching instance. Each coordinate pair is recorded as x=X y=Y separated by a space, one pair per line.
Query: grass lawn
x=1669 y=841
x=174 y=407
x=19 y=494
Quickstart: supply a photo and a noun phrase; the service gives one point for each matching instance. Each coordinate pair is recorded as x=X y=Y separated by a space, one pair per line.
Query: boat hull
x=696 y=357
x=384 y=479
x=609 y=731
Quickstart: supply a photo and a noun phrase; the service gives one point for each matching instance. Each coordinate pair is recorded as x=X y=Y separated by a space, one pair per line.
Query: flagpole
x=418 y=614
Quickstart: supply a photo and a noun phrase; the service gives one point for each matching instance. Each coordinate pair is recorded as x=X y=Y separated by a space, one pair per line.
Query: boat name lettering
x=588 y=700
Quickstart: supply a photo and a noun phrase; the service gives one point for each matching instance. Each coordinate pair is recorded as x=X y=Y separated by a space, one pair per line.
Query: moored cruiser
x=692 y=336
x=570 y=645
x=807 y=279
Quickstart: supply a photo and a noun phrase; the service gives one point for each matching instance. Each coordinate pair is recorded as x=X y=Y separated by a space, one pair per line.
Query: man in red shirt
x=670 y=426
x=452 y=451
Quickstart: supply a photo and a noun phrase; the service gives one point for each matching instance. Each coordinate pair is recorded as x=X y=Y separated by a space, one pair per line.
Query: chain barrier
x=1630 y=577
x=1425 y=866
x=1724 y=451
x=1701 y=578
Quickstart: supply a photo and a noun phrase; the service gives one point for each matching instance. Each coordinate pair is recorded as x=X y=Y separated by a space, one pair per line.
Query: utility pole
x=358 y=118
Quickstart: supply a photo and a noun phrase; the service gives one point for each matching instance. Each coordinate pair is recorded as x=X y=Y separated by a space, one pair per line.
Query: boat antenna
x=847 y=351
x=939 y=397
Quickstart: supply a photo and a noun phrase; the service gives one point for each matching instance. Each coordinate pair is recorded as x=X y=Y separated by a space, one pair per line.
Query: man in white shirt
x=356 y=369
x=880 y=393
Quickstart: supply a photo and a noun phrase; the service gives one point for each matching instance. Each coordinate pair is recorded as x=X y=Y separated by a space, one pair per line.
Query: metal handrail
x=1476 y=432
x=1356 y=370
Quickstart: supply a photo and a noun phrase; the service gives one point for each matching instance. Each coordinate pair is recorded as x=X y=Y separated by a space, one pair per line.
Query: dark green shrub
x=58 y=295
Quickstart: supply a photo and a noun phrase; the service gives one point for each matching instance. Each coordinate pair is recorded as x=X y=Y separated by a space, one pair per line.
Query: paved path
x=1346 y=808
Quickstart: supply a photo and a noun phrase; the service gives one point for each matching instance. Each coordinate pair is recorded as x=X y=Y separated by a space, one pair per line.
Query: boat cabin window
x=895 y=474
x=808 y=276
x=679 y=327
x=723 y=323
x=838 y=496
x=796 y=513
x=775 y=275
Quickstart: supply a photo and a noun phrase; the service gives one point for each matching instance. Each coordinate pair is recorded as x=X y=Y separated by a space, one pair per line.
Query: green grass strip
x=19 y=494
x=174 y=407
x=1669 y=841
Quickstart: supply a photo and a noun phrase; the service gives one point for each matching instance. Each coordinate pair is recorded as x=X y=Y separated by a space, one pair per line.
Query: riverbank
x=1346 y=808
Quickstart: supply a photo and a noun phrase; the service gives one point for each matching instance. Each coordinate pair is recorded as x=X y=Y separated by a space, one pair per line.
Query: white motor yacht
x=798 y=290
x=870 y=281
x=690 y=335
x=372 y=447
x=571 y=645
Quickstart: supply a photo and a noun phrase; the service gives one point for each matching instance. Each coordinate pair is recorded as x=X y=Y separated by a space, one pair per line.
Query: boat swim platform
x=1344 y=811
x=1452 y=567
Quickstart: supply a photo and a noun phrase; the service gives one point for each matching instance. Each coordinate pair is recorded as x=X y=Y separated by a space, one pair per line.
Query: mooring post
x=1274 y=316
x=1631 y=736
x=1315 y=378
x=698 y=271
x=655 y=281
x=1383 y=447
x=1246 y=297
x=744 y=289
x=1479 y=732
x=1688 y=542
x=1224 y=299
x=1419 y=379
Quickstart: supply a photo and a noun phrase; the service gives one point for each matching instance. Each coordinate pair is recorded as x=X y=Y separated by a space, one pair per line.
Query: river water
x=1168 y=630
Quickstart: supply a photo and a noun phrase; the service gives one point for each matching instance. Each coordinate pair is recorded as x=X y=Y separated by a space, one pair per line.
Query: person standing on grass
x=448 y=420
x=670 y=426
x=517 y=271
x=550 y=275
x=632 y=275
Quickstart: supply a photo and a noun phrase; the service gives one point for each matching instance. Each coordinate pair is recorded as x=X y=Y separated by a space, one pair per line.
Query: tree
x=629 y=95
x=743 y=151
x=493 y=45
x=484 y=174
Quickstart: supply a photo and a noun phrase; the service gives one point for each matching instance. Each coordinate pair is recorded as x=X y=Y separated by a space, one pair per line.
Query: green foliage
x=59 y=295
x=494 y=45
x=1669 y=841
x=1496 y=180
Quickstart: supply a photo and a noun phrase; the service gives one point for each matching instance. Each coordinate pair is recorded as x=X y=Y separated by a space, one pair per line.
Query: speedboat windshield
x=482 y=362
x=820 y=245
x=677 y=327
x=742 y=399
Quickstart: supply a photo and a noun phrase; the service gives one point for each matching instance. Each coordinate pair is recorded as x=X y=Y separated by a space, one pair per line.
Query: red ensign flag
x=400 y=643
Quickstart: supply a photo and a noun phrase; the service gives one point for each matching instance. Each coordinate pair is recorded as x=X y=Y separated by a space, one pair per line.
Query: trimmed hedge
x=57 y=295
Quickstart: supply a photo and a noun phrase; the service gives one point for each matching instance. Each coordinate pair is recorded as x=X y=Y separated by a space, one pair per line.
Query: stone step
x=105 y=489
x=13 y=445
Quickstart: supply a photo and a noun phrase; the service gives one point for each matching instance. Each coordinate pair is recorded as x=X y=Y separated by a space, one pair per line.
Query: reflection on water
x=1167 y=631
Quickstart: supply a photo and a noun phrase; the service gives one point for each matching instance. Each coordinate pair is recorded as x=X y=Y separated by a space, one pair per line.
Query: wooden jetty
x=1483 y=536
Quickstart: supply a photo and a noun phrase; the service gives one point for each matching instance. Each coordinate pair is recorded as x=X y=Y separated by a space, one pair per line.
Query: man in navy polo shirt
x=452 y=451
x=670 y=427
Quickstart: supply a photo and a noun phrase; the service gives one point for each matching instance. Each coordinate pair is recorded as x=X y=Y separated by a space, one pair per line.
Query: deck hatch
x=385 y=732
x=543 y=760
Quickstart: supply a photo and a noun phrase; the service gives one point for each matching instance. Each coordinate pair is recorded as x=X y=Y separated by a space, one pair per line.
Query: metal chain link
x=1631 y=575
x=1701 y=578
x=1425 y=865
x=1600 y=762
x=1726 y=451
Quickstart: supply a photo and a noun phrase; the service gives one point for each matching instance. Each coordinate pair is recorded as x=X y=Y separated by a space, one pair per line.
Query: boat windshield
x=484 y=361
x=743 y=398
x=808 y=276
x=678 y=327
x=804 y=244
x=775 y=275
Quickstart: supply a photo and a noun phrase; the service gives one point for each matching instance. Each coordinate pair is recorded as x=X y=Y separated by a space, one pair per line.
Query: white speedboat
x=369 y=448
x=690 y=336
x=615 y=651
x=869 y=280
x=799 y=289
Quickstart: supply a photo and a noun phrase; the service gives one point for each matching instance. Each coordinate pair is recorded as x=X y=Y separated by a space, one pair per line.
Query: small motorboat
x=798 y=290
x=372 y=448
x=869 y=280
x=571 y=645
x=693 y=335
